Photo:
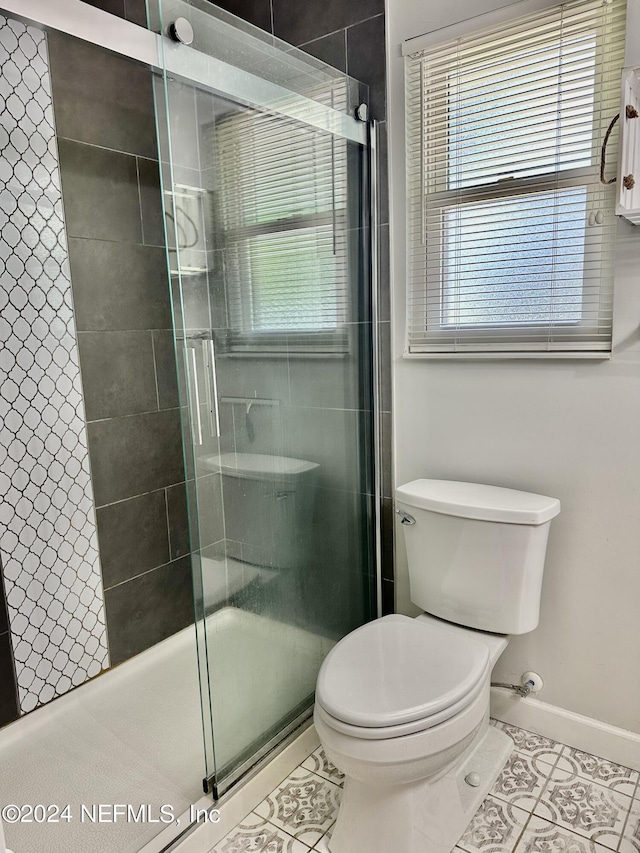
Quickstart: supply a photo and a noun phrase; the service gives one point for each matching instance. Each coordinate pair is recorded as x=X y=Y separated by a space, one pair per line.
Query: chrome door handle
x=214 y=409
x=405 y=518
x=196 y=416
x=209 y=356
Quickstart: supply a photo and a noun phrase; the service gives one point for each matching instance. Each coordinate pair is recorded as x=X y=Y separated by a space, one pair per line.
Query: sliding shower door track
x=218 y=787
x=159 y=53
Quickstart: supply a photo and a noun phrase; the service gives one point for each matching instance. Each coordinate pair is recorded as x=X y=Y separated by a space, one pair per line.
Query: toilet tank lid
x=474 y=500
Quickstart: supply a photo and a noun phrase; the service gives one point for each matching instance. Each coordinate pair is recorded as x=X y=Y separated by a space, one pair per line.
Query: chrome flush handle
x=405 y=518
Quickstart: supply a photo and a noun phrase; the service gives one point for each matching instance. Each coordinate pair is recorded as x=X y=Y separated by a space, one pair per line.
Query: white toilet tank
x=476 y=553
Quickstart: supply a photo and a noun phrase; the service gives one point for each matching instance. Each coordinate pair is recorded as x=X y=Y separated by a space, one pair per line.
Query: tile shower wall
x=54 y=608
x=110 y=181
x=351 y=37
x=52 y=628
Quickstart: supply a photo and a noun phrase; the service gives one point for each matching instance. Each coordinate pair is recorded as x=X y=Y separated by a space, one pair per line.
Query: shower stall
x=254 y=201
x=264 y=184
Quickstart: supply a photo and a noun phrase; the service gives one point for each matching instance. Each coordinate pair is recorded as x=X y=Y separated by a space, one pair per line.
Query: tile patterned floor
x=550 y=798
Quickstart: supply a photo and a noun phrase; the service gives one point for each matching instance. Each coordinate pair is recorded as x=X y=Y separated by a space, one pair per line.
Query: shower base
x=134 y=735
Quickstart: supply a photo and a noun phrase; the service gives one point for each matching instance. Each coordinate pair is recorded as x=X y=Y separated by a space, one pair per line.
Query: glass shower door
x=263 y=183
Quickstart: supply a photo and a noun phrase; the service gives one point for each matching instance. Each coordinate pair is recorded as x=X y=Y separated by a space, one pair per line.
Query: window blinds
x=511 y=234
x=283 y=205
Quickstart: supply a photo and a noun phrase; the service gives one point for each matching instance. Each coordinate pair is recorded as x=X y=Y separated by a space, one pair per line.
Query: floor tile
x=304 y=805
x=573 y=762
x=549 y=798
x=256 y=835
x=529 y=743
x=318 y=763
x=323 y=845
x=521 y=781
x=495 y=828
x=542 y=836
x=584 y=807
x=631 y=836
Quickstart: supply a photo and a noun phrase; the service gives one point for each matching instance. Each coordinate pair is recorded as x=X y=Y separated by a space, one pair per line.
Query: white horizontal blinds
x=511 y=233
x=283 y=196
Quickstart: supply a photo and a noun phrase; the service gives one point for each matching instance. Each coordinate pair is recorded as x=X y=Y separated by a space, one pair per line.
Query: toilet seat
x=397 y=676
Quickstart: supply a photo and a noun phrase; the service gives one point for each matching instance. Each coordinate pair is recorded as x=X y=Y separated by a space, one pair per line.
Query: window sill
x=510 y=356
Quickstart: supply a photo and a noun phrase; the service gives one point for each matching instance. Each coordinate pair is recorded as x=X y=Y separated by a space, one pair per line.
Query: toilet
x=402 y=704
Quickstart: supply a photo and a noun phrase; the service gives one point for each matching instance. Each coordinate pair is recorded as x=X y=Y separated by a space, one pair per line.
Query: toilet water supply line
x=521 y=689
x=530 y=682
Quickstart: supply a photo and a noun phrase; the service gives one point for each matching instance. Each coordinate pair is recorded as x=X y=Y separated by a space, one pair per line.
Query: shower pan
x=261 y=252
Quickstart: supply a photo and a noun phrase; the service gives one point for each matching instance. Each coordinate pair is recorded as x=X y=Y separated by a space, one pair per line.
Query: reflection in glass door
x=264 y=207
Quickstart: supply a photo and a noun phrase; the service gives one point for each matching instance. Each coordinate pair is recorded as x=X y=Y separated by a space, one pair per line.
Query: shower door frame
x=157 y=52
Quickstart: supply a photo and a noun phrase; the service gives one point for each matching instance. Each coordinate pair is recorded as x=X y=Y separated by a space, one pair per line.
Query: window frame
x=497 y=193
x=243 y=337
x=240 y=338
x=436 y=330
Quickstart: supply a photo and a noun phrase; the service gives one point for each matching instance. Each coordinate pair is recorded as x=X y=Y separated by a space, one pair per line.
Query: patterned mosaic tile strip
x=47 y=522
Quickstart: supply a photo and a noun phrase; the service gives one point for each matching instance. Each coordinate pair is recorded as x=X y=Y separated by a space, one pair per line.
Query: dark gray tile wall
x=331 y=49
x=298 y=23
x=136 y=12
x=132 y=10
x=102 y=199
x=133 y=532
x=149 y=608
x=8 y=690
x=92 y=114
x=110 y=181
x=112 y=387
x=350 y=36
x=125 y=296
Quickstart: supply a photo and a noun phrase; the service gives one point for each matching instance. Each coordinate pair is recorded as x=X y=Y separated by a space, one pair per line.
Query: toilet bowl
x=402 y=704
x=402 y=710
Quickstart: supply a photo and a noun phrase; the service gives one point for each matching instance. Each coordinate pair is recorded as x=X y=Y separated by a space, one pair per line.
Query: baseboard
x=584 y=733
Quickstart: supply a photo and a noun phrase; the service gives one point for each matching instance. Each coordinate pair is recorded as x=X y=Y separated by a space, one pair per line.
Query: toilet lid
x=397 y=670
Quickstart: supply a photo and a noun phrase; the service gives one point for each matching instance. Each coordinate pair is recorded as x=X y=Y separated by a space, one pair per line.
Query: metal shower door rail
x=85 y=22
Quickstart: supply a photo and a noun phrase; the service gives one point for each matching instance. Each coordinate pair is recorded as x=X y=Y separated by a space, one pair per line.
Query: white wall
x=567 y=429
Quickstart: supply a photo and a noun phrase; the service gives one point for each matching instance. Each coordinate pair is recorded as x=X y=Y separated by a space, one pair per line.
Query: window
x=283 y=211
x=511 y=233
